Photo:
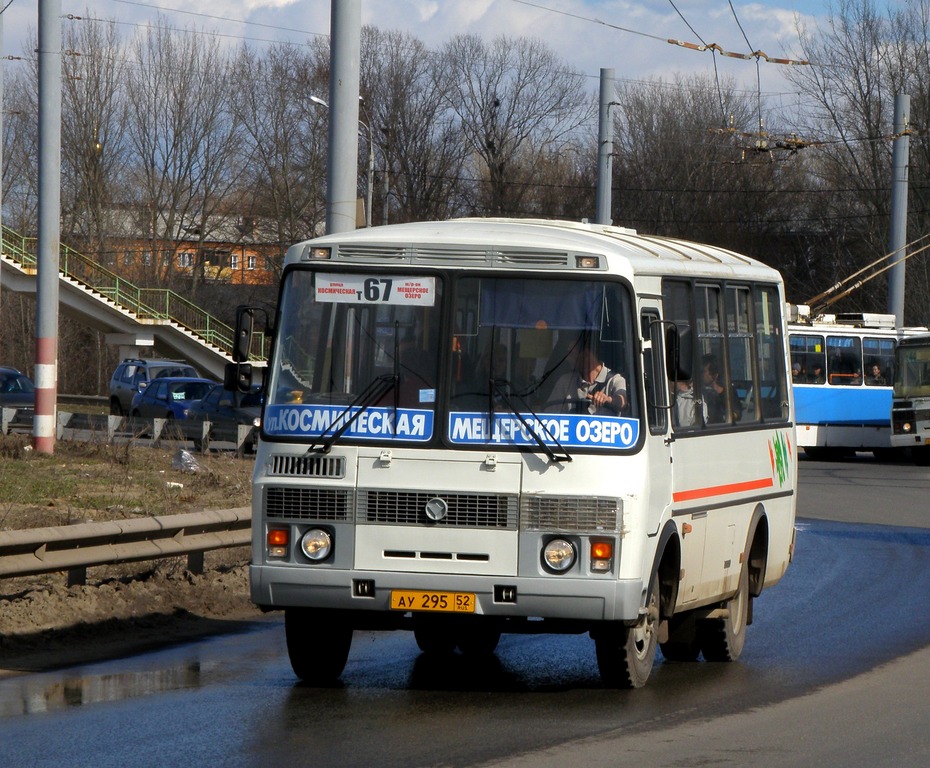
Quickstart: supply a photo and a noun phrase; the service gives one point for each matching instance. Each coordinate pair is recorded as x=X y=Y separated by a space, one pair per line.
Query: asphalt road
x=835 y=672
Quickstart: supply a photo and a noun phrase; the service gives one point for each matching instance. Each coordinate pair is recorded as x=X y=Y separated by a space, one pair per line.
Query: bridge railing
x=160 y=304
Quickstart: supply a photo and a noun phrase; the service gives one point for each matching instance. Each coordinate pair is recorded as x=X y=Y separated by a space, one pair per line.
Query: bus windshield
x=524 y=362
x=912 y=371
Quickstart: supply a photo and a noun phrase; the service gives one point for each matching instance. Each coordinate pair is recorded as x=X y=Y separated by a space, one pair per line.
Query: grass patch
x=90 y=481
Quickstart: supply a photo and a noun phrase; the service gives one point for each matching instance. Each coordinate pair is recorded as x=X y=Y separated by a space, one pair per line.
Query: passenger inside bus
x=686 y=407
x=875 y=377
x=817 y=376
x=714 y=394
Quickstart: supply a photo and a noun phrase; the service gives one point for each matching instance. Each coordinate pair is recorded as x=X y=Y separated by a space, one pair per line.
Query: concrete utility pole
x=342 y=160
x=897 y=238
x=46 y=371
x=1 y=166
x=605 y=148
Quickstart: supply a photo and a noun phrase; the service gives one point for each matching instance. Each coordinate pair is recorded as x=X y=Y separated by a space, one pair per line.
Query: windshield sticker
x=373 y=423
x=571 y=431
x=368 y=289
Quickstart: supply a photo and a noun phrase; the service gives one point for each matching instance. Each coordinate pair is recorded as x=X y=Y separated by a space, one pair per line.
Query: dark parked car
x=169 y=397
x=17 y=391
x=225 y=411
x=134 y=374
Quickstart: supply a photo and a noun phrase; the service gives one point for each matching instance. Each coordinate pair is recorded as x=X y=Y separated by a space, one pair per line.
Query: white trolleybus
x=479 y=427
x=842 y=369
x=910 y=415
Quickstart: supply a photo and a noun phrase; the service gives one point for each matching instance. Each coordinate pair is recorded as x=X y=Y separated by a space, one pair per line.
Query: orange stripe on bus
x=723 y=490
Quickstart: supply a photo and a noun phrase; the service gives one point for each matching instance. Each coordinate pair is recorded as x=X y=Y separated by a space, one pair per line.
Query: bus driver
x=590 y=387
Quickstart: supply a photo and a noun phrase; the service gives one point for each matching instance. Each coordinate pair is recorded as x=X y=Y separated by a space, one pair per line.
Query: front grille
x=570 y=513
x=307 y=503
x=466 y=510
x=308 y=466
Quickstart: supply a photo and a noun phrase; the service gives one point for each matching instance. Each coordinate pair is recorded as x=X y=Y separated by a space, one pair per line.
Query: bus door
x=658 y=451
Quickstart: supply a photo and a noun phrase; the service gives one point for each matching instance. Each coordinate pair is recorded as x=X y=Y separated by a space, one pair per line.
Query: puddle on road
x=48 y=693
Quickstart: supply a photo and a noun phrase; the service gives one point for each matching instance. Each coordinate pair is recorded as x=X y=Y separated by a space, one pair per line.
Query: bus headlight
x=317 y=544
x=558 y=555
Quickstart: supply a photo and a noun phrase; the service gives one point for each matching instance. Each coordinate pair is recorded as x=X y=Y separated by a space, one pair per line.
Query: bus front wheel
x=433 y=636
x=318 y=643
x=722 y=639
x=479 y=640
x=625 y=655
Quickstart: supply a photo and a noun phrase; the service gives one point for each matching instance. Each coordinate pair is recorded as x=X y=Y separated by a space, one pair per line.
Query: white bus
x=432 y=459
x=910 y=414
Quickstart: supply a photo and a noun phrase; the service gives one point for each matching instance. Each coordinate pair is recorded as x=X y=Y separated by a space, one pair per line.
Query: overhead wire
x=858 y=284
x=723 y=111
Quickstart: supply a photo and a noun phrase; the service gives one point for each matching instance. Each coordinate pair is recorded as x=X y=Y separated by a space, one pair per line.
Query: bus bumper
x=556 y=597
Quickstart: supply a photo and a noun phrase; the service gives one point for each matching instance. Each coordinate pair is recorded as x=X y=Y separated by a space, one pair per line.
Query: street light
x=371 y=160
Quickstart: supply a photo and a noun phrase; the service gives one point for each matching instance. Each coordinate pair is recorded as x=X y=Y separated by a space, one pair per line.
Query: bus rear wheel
x=318 y=643
x=625 y=655
x=723 y=639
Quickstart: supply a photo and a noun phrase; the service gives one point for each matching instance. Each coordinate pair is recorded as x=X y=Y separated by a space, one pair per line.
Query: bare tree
x=514 y=100
x=21 y=149
x=866 y=53
x=417 y=138
x=183 y=134
x=283 y=146
x=94 y=151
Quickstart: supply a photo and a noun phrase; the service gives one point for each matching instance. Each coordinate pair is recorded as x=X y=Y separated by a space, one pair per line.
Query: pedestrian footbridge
x=132 y=318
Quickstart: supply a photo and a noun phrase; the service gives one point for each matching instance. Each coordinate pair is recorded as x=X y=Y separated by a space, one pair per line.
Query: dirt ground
x=44 y=623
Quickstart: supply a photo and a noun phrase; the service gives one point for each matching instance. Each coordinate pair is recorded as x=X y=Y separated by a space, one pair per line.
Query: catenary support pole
x=342 y=160
x=897 y=238
x=46 y=370
x=605 y=148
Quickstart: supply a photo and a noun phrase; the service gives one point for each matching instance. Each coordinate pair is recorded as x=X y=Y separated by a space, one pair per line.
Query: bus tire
x=625 y=655
x=921 y=456
x=682 y=644
x=434 y=637
x=723 y=639
x=479 y=640
x=318 y=643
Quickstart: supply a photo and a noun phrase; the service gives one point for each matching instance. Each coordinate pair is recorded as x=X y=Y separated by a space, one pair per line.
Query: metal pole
x=46 y=371
x=605 y=148
x=897 y=238
x=371 y=175
x=342 y=162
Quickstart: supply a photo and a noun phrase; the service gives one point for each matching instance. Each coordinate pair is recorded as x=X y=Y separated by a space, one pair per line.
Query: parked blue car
x=169 y=397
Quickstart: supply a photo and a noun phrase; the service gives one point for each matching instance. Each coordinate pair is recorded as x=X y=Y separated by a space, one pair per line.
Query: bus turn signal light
x=277 y=542
x=602 y=553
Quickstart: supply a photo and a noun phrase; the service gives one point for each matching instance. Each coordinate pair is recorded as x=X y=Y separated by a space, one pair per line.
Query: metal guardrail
x=78 y=426
x=75 y=548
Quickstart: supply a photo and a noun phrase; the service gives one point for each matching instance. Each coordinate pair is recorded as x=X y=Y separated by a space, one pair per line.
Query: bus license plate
x=443 y=602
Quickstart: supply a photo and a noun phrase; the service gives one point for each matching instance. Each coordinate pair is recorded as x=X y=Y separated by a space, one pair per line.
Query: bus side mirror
x=242 y=345
x=678 y=362
x=237 y=377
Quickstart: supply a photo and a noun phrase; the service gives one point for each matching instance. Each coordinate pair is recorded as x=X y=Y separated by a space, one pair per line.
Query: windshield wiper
x=497 y=387
x=376 y=389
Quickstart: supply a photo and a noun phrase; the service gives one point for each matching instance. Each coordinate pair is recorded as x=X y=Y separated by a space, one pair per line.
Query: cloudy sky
x=628 y=36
